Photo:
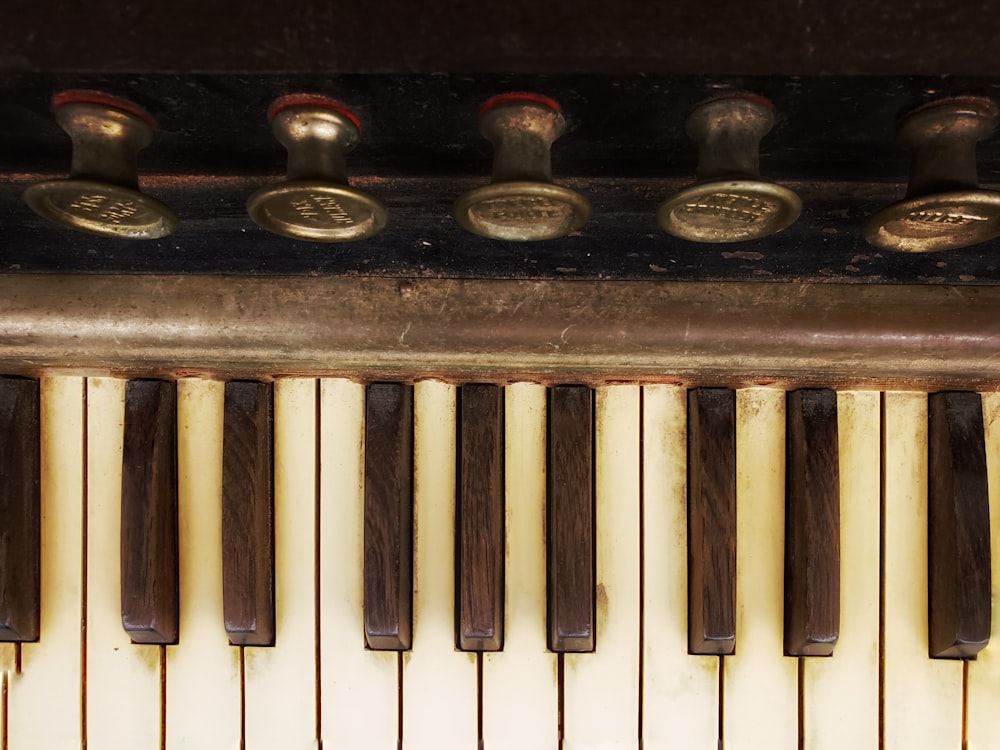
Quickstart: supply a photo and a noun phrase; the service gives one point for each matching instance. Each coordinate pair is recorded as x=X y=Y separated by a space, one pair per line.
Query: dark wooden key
x=480 y=518
x=570 y=509
x=958 y=526
x=388 y=575
x=149 y=512
x=248 y=513
x=20 y=507
x=711 y=521
x=812 y=524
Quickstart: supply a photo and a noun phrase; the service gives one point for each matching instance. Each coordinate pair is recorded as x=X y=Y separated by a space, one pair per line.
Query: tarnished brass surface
x=729 y=203
x=521 y=203
x=920 y=337
x=315 y=202
x=102 y=196
x=944 y=207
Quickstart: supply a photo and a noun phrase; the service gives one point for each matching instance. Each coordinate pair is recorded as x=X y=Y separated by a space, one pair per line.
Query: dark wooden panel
x=248 y=513
x=480 y=518
x=570 y=508
x=711 y=521
x=812 y=524
x=388 y=574
x=20 y=506
x=538 y=35
x=959 y=526
x=149 y=513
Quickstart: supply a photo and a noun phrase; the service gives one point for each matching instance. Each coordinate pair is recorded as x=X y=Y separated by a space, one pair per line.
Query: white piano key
x=360 y=691
x=601 y=689
x=680 y=691
x=203 y=670
x=922 y=696
x=840 y=693
x=440 y=696
x=281 y=681
x=515 y=718
x=123 y=679
x=760 y=691
x=45 y=701
x=983 y=718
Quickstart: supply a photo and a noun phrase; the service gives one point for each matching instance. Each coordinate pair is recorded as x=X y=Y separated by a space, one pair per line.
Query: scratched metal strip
x=732 y=333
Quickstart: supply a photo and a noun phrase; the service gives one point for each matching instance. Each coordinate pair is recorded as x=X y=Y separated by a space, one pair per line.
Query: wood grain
x=958 y=526
x=248 y=513
x=570 y=509
x=149 y=513
x=20 y=506
x=480 y=518
x=388 y=568
x=711 y=521
x=812 y=523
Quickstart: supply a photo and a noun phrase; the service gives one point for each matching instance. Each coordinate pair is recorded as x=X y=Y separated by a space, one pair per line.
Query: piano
x=614 y=489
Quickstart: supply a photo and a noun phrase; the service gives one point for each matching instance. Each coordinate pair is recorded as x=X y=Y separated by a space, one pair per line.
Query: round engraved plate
x=317 y=211
x=101 y=208
x=729 y=211
x=944 y=221
x=522 y=211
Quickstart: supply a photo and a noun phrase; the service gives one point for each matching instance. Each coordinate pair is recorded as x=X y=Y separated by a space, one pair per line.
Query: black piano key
x=20 y=507
x=248 y=513
x=958 y=526
x=480 y=518
x=711 y=521
x=812 y=524
x=388 y=567
x=570 y=509
x=149 y=572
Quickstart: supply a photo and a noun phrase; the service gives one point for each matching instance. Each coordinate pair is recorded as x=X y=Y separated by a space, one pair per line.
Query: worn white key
x=45 y=701
x=280 y=681
x=601 y=689
x=440 y=703
x=359 y=687
x=680 y=691
x=840 y=693
x=760 y=692
x=515 y=718
x=203 y=685
x=923 y=696
x=123 y=679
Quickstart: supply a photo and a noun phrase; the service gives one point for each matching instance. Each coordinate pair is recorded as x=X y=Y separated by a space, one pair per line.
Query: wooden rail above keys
x=589 y=332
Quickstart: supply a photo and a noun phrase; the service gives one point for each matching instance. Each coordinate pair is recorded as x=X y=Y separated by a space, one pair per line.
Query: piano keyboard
x=540 y=675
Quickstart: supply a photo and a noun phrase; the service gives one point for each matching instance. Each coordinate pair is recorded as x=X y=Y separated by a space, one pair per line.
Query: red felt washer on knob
x=88 y=96
x=519 y=96
x=317 y=101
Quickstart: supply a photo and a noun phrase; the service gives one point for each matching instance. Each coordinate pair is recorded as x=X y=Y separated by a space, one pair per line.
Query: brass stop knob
x=729 y=202
x=944 y=207
x=316 y=202
x=101 y=195
x=522 y=203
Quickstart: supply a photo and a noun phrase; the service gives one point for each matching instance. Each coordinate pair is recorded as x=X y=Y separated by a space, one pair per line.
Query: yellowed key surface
x=923 y=696
x=516 y=717
x=761 y=684
x=440 y=699
x=45 y=701
x=203 y=670
x=680 y=691
x=841 y=692
x=360 y=691
x=123 y=679
x=601 y=689
x=280 y=681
